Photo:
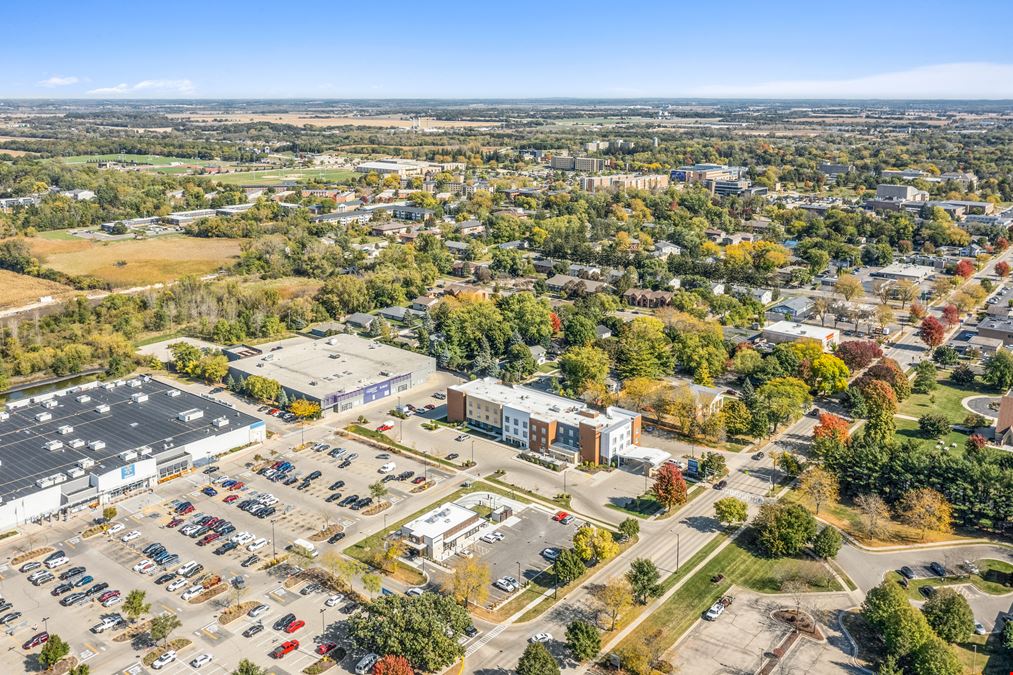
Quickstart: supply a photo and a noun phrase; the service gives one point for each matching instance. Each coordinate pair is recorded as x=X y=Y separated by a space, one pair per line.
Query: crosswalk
x=484 y=640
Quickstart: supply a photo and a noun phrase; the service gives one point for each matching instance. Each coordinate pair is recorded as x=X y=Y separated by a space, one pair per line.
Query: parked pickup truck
x=718 y=608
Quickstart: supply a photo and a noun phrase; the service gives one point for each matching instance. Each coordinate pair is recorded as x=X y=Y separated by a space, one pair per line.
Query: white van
x=366 y=663
x=56 y=562
x=388 y=467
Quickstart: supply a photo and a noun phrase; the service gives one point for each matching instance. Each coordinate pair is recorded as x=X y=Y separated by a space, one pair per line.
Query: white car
x=334 y=600
x=191 y=592
x=979 y=628
x=493 y=537
x=257 y=545
x=106 y=623
x=176 y=585
x=504 y=585
x=257 y=611
x=201 y=660
x=112 y=600
x=540 y=637
x=164 y=660
x=130 y=536
x=414 y=592
x=116 y=527
x=142 y=565
x=716 y=610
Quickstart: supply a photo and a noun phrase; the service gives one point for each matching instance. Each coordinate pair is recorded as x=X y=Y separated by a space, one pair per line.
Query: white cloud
x=945 y=80
x=58 y=81
x=146 y=87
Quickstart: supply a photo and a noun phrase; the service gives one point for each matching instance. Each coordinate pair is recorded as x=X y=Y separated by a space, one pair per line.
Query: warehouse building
x=790 y=331
x=340 y=372
x=93 y=444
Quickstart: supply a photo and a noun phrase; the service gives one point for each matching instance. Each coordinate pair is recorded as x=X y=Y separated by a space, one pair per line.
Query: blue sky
x=391 y=49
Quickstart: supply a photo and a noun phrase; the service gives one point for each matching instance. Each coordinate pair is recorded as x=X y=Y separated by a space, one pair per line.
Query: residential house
x=562 y=282
x=360 y=320
x=793 y=309
x=469 y=228
x=642 y=297
x=664 y=249
x=390 y=229
x=424 y=303
x=459 y=249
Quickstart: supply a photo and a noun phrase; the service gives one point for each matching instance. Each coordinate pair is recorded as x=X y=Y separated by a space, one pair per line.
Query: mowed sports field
x=137 y=262
x=19 y=290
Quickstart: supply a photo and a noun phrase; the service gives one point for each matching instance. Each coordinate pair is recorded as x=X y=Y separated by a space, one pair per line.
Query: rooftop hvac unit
x=75 y=472
x=44 y=483
x=172 y=393
x=83 y=398
x=221 y=422
x=59 y=478
x=139 y=397
x=134 y=383
x=50 y=403
x=4 y=415
x=65 y=429
x=53 y=446
x=190 y=415
x=96 y=445
x=43 y=417
x=86 y=463
x=102 y=408
x=144 y=450
x=76 y=443
x=109 y=385
x=128 y=456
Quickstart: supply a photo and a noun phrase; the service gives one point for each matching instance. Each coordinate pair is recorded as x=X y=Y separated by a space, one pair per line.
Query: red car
x=294 y=626
x=108 y=594
x=230 y=499
x=189 y=508
x=560 y=515
x=326 y=648
x=273 y=411
x=430 y=406
x=384 y=427
x=284 y=648
x=37 y=640
x=208 y=538
x=174 y=522
x=239 y=485
x=419 y=479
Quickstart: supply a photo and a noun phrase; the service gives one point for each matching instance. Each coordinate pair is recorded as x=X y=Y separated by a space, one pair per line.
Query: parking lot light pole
x=473 y=451
x=323 y=623
x=274 y=551
x=518 y=571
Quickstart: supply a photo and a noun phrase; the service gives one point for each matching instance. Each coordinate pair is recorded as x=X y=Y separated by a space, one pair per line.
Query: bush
x=945 y=355
x=933 y=426
x=827 y=543
x=963 y=375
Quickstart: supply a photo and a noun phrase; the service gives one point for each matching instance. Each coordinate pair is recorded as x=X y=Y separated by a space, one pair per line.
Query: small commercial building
x=445 y=530
x=905 y=271
x=790 y=331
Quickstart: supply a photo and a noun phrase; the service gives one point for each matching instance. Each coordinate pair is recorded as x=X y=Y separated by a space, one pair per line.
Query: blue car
x=228 y=483
x=210 y=491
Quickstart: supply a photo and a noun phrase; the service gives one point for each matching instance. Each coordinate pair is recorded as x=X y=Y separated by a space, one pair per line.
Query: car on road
x=201 y=660
x=453 y=456
x=210 y=470
x=937 y=569
x=907 y=572
x=164 y=660
x=36 y=640
x=253 y=630
x=414 y=592
x=758 y=455
x=540 y=637
x=284 y=648
x=471 y=631
x=721 y=485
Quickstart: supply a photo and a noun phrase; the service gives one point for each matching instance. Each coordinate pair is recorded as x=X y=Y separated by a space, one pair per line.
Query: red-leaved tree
x=831 y=426
x=951 y=315
x=669 y=486
x=857 y=354
x=964 y=268
x=932 y=332
x=393 y=665
x=1002 y=268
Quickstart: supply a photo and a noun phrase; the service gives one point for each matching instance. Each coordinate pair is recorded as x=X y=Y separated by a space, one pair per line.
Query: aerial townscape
x=329 y=348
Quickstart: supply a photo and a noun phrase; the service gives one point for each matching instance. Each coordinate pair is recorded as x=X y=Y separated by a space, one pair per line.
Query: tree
x=713 y=464
x=964 y=375
x=936 y=657
x=880 y=408
x=951 y=316
x=788 y=462
x=1002 y=268
x=643 y=576
x=902 y=627
x=536 y=660
x=819 y=485
x=162 y=627
x=829 y=374
x=858 y=354
x=999 y=370
x=614 y=597
x=583 y=368
x=906 y=291
x=784 y=529
x=53 y=651
x=579 y=330
x=644 y=349
x=629 y=528
x=874 y=512
x=344 y=294
x=827 y=543
x=782 y=398
x=373 y=583
x=592 y=543
x=932 y=332
x=392 y=664
x=669 y=487
x=1007 y=635
x=731 y=511
x=393 y=624
x=925 y=377
x=304 y=409
x=933 y=426
x=945 y=355
x=848 y=286
x=264 y=389
x=949 y=615
x=248 y=667
x=925 y=509
x=583 y=639
x=134 y=606
x=378 y=489
x=470 y=582
x=568 y=566
x=964 y=268
x=108 y=513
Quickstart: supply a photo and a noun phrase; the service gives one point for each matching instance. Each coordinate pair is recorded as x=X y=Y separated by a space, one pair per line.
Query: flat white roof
x=908 y=270
x=653 y=456
x=435 y=523
x=803 y=330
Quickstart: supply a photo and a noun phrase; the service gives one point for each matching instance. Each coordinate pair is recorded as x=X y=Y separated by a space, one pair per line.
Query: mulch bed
x=326 y=534
x=217 y=589
x=34 y=553
x=236 y=611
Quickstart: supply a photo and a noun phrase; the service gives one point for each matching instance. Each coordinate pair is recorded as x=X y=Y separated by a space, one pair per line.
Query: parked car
x=253 y=630
x=164 y=660
x=907 y=572
x=718 y=608
x=36 y=640
x=937 y=569
x=284 y=648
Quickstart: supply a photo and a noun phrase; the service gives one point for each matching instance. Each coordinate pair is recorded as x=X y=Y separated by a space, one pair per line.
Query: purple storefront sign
x=371 y=393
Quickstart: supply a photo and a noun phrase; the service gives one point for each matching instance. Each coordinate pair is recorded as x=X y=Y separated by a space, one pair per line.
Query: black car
x=284 y=622
x=165 y=578
x=345 y=464
x=210 y=470
x=927 y=591
x=349 y=608
x=471 y=631
x=333 y=497
x=153 y=549
x=10 y=618
x=96 y=589
x=721 y=485
x=4 y=606
x=252 y=560
x=907 y=572
x=453 y=455
x=349 y=500
x=72 y=572
x=336 y=537
x=937 y=569
x=389 y=477
x=313 y=476
x=228 y=529
x=253 y=630
x=291 y=481
x=337 y=485
x=303 y=485
x=334 y=452
x=267 y=513
x=405 y=475
x=59 y=590
x=225 y=548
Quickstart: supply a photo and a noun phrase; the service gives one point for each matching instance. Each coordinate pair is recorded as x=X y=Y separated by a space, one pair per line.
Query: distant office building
x=568 y=163
x=624 y=182
x=901 y=193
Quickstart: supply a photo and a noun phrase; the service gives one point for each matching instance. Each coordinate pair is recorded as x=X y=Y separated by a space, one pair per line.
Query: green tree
x=785 y=529
x=1007 y=635
x=536 y=660
x=999 y=370
x=949 y=615
x=902 y=627
x=134 y=606
x=162 y=627
x=782 y=399
x=568 y=566
x=264 y=389
x=936 y=657
x=583 y=368
x=344 y=294
x=644 y=576
x=934 y=426
x=108 y=513
x=579 y=331
x=529 y=315
x=53 y=651
x=393 y=624
x=731 y=511
x=827 y=543
x=925 y=377
x=248 y=667
x=629 y=528
x=644 y=350
x=713 y=464
x=583 y=639
x=829 y=375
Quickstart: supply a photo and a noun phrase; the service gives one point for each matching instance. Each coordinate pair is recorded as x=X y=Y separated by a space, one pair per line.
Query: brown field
x=146 y=261
x=19 y=289
x=329 y=120
x=16 y=153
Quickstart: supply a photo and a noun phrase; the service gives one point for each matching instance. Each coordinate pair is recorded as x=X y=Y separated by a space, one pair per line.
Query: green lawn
x=944 y=399
x=909 y=429
x=279 y=175
x=156 y=160
x=740 y=565
x=647 y=505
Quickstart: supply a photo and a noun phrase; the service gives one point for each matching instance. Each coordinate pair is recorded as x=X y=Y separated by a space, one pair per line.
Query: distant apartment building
x=901 y=193
x=543 y=423
x=624 y=182
x=569 y=163
x=698 y=173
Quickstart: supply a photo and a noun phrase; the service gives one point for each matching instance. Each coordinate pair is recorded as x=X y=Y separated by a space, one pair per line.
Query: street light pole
x=323 y=623
x=518 y=571
x=678 y=551
x=274 y=551
x=473 y=451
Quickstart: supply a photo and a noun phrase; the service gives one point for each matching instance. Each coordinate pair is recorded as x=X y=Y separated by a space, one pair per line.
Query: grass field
x=270 y=177
x=154 y=160
x=137 y=262
x=944 y=399
x=19 y=289
x=909 y=429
